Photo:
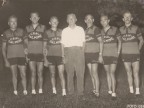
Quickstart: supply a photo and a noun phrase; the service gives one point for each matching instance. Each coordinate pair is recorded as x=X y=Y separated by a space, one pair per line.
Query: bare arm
x=26 y=46
x=101 y=45
x=101 y=49
x=141 y=42
x=4 y=50
x=4 y=45
x=119 y=44
x=140 y=38
x=45 y=51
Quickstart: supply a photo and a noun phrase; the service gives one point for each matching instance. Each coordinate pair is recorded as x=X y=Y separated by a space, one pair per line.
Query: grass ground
x=46 y=100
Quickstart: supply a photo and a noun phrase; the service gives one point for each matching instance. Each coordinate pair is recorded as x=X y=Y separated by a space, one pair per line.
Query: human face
x=71 y=19
x=12 y=23
x=34 y=18
x=127 y=18
x=54 y=22
x=104 y=21
x=89 y=20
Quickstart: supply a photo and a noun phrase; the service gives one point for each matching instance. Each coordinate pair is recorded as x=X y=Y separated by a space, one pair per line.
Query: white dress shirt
x=73 y=36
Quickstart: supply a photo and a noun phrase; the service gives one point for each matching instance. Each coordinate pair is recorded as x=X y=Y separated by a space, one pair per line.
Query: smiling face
x=34 y=17
x=71 y=19
x=104 y=21
x=12 y=22
x=89 y=20
x=127 y=18
x=54 y=22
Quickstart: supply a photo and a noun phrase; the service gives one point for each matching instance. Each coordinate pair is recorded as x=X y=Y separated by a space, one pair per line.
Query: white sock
x=131 y=89
x=15 y=92
x=40 y=91
x=137 y=91
x=33 y=91
x=63 y=92
x=109 y=92
x=54 y=90
x=113 y=94
x=25 y=92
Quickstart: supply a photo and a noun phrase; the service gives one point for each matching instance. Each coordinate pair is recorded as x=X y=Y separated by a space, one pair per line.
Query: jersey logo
x=108 y=39
x=128 y=37
x=55 y=40
x=35 y=36
x=89 y=38
x=14 y=40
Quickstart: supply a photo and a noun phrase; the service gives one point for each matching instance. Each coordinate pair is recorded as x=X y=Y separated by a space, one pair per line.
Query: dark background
x=61 y=8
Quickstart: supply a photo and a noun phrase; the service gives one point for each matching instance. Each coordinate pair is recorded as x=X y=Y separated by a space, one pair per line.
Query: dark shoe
x=94 y=91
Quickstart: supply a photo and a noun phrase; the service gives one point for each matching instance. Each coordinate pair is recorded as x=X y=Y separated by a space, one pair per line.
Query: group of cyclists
x=70 y=49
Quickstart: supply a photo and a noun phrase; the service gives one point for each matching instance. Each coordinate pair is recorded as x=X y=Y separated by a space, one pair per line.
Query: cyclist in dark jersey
x=93 y=51
x=132 y=42
x=34 y=33
x=13 y=52
x=55 y=54
x=111 y=51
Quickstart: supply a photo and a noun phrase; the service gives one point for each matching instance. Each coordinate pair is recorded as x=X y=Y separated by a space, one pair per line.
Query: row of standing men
x=70 y=49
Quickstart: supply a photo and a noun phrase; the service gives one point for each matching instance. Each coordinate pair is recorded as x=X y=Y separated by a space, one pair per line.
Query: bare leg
x=40 y=66
x=62 y=78
x=135 y=66
x=23 y=76
x=96 y=77
x=113 y=79
x=14 y=77
x=107 y=69
x=32 y=66
x=53 y=80
x=91 y=74
x=129 y=74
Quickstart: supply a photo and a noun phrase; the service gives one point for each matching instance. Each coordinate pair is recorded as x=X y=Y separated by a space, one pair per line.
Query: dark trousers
x=75 y=62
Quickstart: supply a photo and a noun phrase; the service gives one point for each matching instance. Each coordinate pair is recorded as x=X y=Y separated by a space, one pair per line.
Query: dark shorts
x=55 y=60
x=110 y=60
x=91 y=57
x=130 y=57
x=17 y=61
x=36 y=57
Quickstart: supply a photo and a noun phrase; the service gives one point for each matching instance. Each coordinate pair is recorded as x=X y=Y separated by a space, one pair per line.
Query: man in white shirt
x=73 y=39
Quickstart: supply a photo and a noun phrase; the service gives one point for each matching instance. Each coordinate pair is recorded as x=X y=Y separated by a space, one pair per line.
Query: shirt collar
x=129 y=27
x=91 y=27
x=13 y=30
x=107 y=29
x=73 y=28
x=36 y=26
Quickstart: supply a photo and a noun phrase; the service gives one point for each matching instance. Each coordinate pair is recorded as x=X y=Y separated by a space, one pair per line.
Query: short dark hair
x=34 y=12
x=89 y=15
x=127 y=11
x=13 y=16
x=104 y=14
x=73 y=14
x=53 y=17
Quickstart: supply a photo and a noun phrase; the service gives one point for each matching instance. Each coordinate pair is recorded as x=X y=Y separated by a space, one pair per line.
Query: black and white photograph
x=71 y=53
